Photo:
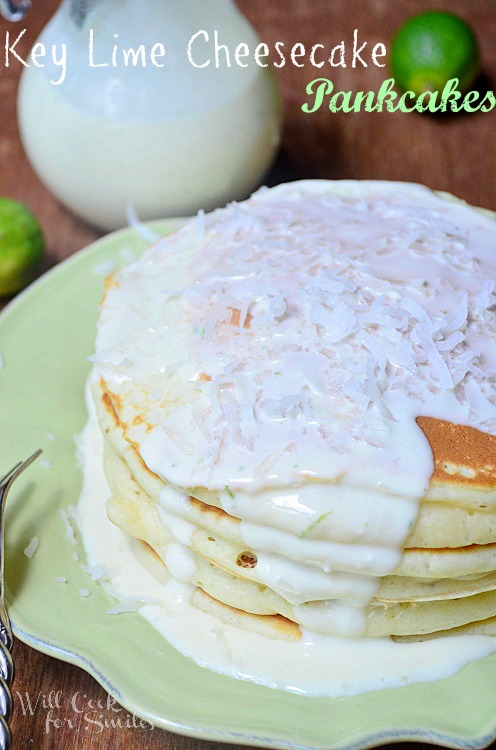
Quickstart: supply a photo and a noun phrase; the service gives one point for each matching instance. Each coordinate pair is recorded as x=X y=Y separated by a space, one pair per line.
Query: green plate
x=45 y=336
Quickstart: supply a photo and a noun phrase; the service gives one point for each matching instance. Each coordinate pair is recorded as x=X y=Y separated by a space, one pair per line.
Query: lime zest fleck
x=315 y=523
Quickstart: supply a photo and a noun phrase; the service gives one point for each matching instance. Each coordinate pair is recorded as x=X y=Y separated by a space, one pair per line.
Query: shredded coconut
x=335 y=312
x=32 y=547
x=105 y=267
x=145 y=232
x=69 y=529
x=131 y=605
x=98 y=573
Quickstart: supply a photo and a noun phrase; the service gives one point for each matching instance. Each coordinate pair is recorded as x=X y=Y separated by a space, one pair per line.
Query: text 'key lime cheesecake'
x=298 y=400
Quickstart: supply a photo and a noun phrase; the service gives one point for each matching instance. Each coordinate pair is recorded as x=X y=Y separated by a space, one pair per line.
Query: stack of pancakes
x=444 y=583
x=446 y=580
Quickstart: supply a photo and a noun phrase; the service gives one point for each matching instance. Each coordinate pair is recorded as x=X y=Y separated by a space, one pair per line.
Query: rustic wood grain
x=450 y=153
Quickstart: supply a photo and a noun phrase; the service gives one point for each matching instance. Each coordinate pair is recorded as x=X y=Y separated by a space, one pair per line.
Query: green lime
x=430 y=49
x=21 y=246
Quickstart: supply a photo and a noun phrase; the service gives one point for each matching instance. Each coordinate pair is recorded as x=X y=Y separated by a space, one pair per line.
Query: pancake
x=353 y=498
x=464 y=464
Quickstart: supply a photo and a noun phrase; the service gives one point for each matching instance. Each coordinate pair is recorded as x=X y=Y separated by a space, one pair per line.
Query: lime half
x=21 y=246
x=430 y=49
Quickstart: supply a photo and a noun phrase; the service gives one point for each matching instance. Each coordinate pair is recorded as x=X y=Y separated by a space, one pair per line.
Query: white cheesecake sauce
x=297 y=337
x=317 y=665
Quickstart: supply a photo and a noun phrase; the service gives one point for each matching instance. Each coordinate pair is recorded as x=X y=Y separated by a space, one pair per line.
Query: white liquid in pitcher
x=167 y=140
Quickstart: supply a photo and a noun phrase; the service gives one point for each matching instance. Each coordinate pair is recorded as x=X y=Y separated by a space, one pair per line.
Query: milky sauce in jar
x=166 y=140
x=305 y=426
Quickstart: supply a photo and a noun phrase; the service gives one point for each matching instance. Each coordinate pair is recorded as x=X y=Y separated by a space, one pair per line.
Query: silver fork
x=6 y=662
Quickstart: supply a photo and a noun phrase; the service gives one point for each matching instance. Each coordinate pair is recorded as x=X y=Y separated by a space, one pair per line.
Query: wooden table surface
x=456 y=153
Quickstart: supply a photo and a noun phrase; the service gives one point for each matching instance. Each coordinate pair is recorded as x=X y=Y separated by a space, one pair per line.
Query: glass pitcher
x=139 y=117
